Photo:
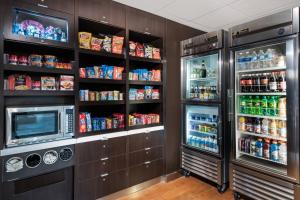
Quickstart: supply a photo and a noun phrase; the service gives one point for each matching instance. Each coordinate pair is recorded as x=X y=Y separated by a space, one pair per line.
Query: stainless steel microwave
x=32 y=125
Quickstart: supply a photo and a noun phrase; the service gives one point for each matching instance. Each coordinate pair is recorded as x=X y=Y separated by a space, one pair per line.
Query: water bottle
x=254 y=64
x=261 y=55
x=240 y=61
x=247 y=60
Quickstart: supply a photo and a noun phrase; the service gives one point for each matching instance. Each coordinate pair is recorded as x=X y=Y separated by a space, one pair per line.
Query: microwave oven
x=32 y=125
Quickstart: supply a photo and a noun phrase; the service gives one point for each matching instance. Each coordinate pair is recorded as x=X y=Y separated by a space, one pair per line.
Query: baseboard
x=172 y=176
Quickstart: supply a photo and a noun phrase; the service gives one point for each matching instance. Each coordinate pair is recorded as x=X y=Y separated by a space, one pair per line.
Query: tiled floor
x=180 y=189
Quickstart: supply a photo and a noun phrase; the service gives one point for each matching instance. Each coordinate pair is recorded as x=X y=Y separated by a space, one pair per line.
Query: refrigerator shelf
x=204 y=122
x=262 y=116
x=263 y=136
x=204 y=79
x=262 y=69
x=262 y=158
x=262 y=94
x=206 y=133
x=201 y=148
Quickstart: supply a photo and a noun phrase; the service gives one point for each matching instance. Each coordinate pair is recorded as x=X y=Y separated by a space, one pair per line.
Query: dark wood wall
x=175 y=32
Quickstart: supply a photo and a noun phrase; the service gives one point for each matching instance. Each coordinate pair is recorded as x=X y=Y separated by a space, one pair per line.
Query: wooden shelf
x=140 y=59
x=145 y=101
x=103 y=81
x=101 y=132
x=101 y=53
x=145 y=83
x=33 y=69
x=100 y=103
x=144 y=126
x=37 y=93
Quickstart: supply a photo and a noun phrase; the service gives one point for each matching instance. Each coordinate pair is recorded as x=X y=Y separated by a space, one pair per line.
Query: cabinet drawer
x=59 y=5
x=148 y=154
x=145 y=172
x=110 y=183
x=145 y=140
x=96 y=168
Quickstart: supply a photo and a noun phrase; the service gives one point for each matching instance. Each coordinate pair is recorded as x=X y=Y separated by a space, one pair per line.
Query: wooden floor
x=180 y=189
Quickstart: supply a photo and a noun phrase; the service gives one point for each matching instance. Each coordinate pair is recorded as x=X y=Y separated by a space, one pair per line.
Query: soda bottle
x=274 y=151
x=264 y=105
x=256 y=83
x=249 y=105
x=250 y=85
x=243 y=83
x=273 y=82
x=282 y=82
x=247 y=145
x=259 y=147
x=264 y=82
x=266 y=152
x=249 y=125
x=257 y=126
x=272 y=106
x=257 y=106
x=242 y=144
x=243 y=108
x=265 y=126
x=253 y=147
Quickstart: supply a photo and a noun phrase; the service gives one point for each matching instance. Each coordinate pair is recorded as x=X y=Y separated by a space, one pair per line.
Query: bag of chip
x=156 y=53
x=82 y=73
x=107 y=44
x=88 y=122
x=96 y=44
x=84 y=40
x=118 y=73
x=109 y=72
x=148 y=51
x=132 y=47
x=82 y=123
x=90 y=71
x=139 y=51
x=117 y=44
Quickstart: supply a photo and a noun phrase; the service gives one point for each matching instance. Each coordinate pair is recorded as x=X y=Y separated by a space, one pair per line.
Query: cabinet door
x=145 y=140
x=113 y=147
x=87 y=152
x=86 y=190
x=111 y=164
x=144 y=22
x=59 y=5
x=105 y=11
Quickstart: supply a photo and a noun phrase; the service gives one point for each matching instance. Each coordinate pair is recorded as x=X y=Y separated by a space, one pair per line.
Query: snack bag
x=117 y=44
x=96 y=44
x=82 y=123
x=107 y=44
x=88 y=122
x=118 y=73
x=139 y=51
x=66 y=82
x=148 y=92
x=90 y=71
x=109 y=72
x=132 y=47
x=84 y=40
x=82 y=73
x=156 y=53
x=97 y=71
x=48 y=83
x=155 y=94
x=148 y=51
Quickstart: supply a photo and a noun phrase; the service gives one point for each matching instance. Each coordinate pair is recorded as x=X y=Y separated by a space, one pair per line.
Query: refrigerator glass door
x=202 y=125
x=261 y=85
x=201 y=77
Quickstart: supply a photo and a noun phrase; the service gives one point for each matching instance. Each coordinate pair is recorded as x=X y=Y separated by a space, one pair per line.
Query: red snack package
x=139 y=51
x=156 y=53
x=82 y=73
x=82 y=123
x=117 y=44
x=117 y=75
x=11 y=82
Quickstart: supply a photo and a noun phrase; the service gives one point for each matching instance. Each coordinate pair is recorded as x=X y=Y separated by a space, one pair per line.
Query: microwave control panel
x=69 y=121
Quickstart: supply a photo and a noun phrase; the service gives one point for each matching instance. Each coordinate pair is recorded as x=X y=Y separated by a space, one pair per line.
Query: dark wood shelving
x=37 y=93
x=145 y=83
x=140 y=59
x=144 y=126
x=34 y=69
x=99 y=81
x=101 y=53
x=145 y=101
x=107 y=131
x=100 y=103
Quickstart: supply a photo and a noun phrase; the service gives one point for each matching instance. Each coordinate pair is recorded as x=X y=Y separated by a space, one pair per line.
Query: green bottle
x=264 y=105
x=272 y=106
x=250 y=108
x=243 y=108
x=257 y=106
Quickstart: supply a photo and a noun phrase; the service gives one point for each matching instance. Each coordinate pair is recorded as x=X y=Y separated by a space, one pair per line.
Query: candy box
x=132 y=94
x=104 y=95
x=96 y=124
x=48 y=83
x=117 y=44
x=155 y=94
x=116 y=95
x=110 y=96
x=36 y=85
x=102 y=70
x=66 y=82
x=84 y=40
x=115 y=122
x=102 y=123
x=82 y=123
x=97 y=71
x=140 y=95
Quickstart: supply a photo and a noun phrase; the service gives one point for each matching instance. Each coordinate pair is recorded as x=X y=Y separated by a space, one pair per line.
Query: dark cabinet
x=86 y=190
x=144 y=22
x=105 y=11
x=145 y=140
x=59 y=5
x=145 y=155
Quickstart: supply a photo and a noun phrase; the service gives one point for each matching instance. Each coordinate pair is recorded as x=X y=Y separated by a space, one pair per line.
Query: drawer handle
x=103 y=163
x=146 y=149
x=147 y=131
x=104 y=22
x=103 y=159
x=104 y=146
x=147 y=138
x=147 y=163
x=104 y=138
x=104 y=175
x=42 y=5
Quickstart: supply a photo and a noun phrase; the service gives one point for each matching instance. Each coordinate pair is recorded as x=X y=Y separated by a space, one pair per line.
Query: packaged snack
x=82 y=73
x=84 y=40
x=117 y=44
x=139 y=50
x=108 y=123
x=19 y=82
x=95 y=124
x=156 y=75
x=102 y=70
x=36 y=60
x=97 y=71
x=36 y=85
x=156 y=53
x=86 y=95
x=118 y=73
x=66 y=82
x=50 y=61
x=108 y=74
x=13 y=59
x=116 y=95
x=23 y=60
x=88 y=122
x=115 y=123
x=82 y=123
x=121 y=96
x=107 y=44
x=140 y=94
x=82 y=95
x=110 y=96
x=132 y=94
x=48 y=83
x=92 y=96
x=96 y=44
x=98 y=96
x=155 y=94
x=143 y=75
x=103 y=95
x=90 y=72
x=148 y=92
x=132 y=47
x=102 y=123
x=148 y=51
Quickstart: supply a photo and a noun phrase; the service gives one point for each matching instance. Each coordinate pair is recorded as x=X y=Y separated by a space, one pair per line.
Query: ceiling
x=210 y=15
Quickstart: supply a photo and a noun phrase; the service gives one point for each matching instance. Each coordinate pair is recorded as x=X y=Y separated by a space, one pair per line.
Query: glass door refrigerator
x=265 y=124
x=205 y=139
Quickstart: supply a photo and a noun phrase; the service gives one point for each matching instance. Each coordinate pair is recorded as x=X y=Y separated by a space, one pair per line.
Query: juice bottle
x=259 y=147
x=274 y=151
x=272 y=106
x=257 y=106
x=257 y=126
x=282 y=129
x=249 y=125
x=282 y=107
x=242 y=124
x=264 y=105
x=243 y=105
x=265 y=126
x=266 y=149
x=273 y=127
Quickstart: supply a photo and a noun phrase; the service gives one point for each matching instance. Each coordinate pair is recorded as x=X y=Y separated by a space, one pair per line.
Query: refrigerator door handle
x=230 y=104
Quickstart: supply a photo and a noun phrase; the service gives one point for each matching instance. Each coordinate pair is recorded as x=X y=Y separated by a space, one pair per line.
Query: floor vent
x=258 y=188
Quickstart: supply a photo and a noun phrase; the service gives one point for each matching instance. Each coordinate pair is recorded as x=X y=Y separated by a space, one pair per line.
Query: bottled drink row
x=203 y=92
x=209 y=143
x=203 y=117
x=264 y=82
x=265 y=148
x=275 y=128
x=202 y=72
x=260 y=59
x=203 y=128
x=263 y=105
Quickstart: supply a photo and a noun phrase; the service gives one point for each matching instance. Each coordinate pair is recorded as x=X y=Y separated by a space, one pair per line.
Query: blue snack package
x=109 y=72
x=102 y=123
x=88 y=122
x=90 y=71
